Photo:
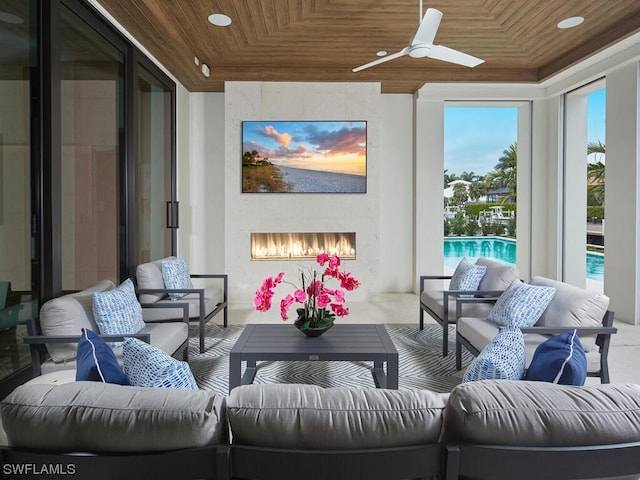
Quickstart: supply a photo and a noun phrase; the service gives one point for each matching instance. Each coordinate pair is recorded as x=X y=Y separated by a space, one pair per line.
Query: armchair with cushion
x=158 y=297
x=570 y=308
x=53 y=336
x=441 y=304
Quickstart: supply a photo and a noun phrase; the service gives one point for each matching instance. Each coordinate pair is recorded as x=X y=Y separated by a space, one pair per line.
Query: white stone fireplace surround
x=300 y=212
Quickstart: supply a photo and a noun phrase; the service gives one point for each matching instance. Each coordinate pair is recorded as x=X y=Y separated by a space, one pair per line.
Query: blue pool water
x=503 y=249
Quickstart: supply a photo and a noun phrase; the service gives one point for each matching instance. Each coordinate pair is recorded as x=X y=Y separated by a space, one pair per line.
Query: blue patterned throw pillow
x=504 y=358
x=521 y=304
x=175 y=274
x=117 y=311
x=467 y=276
x=561 y=359
x=148 y=366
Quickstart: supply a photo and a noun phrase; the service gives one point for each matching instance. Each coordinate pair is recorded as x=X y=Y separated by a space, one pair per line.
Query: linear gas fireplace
x=302 y=246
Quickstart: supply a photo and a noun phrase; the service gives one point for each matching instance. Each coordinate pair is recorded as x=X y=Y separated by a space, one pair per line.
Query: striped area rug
x=421 y=364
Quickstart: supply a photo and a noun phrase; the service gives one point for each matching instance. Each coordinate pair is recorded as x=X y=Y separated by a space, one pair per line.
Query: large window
x=155 y=207
x=92 y=93
x=584 y=162
x=480 y=183
x=87 y=161
x=18 y=288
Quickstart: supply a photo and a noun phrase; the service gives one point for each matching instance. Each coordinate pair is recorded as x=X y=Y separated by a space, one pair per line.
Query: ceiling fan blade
x=401 y=53
x=440 y=52
x=428 y=27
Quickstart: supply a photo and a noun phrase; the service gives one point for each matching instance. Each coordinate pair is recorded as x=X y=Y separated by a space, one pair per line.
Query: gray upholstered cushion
x=498 y=276
x=434 y=300
x=310 y=417
x=480 y=332
x=68 y=315
x=149 y=276
x=102 y=417
x=574 y=307
x=166 y=336
x=503 y=412
x=212 y=297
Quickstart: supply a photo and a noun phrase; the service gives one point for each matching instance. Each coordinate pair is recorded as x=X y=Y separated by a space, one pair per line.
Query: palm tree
x=595 y=173
x=468 y=176
x=477 y=189
x=449 y=177
x=506 y=172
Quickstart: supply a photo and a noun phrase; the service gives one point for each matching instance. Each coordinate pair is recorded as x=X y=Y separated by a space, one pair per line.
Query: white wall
x=622 y=203
x=201 y=181
x=396 y=194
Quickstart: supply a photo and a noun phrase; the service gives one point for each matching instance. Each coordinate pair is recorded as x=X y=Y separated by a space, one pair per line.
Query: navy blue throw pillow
x=561 y=359
x=96 y=361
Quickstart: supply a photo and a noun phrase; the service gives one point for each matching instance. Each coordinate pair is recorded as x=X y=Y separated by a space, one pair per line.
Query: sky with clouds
x=338 y=147
x=475 y=137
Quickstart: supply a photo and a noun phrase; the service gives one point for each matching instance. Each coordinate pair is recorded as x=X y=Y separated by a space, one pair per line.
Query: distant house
x=495 y=195
x=448 y=192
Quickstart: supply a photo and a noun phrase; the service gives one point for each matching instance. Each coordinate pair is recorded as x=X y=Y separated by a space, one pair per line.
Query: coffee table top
x=343 y=339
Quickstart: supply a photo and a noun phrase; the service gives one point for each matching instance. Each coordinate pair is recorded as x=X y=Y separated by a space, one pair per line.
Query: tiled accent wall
x=304 y=212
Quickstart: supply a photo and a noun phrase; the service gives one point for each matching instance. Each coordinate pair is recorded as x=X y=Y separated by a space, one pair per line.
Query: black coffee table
x=343 y=342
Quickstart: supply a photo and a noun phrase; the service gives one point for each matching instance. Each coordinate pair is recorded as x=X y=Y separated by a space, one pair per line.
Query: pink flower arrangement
x=320 y=305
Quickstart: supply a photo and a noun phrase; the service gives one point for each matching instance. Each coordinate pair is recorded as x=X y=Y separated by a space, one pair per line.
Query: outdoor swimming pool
x=455 y=248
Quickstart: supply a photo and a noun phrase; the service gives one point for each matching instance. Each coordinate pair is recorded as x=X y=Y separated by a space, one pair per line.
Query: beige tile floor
x=624 y=355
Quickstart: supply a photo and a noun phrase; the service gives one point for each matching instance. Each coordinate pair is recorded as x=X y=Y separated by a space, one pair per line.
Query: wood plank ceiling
x=322 y=40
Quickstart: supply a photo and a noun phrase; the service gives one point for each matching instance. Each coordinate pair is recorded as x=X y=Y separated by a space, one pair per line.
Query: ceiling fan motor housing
x=420 y=50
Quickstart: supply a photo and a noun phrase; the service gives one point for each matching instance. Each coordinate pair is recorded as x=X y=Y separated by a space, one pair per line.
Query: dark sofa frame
x=187 y=464
x=240 y=462
x=444 y=321
x=201 y=318
x=603 y=337
x=498 y=462
x=37 y=340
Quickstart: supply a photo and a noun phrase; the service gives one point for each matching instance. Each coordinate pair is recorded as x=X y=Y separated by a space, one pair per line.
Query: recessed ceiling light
x=219 y=19
x=570 y=22
x=10 y=18
x=382 y=53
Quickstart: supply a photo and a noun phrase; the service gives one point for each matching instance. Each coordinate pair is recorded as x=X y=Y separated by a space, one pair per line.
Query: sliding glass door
x=156 y=211
x=18 y=287
x=92 y=122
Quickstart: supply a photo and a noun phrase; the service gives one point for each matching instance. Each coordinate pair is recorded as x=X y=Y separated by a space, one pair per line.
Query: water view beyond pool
x=455 y=248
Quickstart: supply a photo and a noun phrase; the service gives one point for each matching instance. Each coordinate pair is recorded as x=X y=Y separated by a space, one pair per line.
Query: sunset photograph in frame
x=304 y=157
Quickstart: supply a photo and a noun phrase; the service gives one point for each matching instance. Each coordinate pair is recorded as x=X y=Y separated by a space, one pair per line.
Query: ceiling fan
x=421 y=45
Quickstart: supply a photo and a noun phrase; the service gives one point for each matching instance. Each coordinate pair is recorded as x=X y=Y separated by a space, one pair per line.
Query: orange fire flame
x=300 y=246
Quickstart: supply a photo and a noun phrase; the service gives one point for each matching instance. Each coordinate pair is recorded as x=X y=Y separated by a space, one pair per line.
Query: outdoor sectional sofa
x=488 y=429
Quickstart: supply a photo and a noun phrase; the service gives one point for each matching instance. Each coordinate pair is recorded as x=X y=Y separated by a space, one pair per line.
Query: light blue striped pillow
x=148 y=366
x=521 y=304
x=504 y=358
x=117 y=311
x=175 y=274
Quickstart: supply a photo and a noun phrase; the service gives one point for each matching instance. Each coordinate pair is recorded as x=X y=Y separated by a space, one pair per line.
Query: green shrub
x=486 y=228
x=595 y=212
x=511 y=227
x=472 y=227
x=447 y=227
x=458 y=224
